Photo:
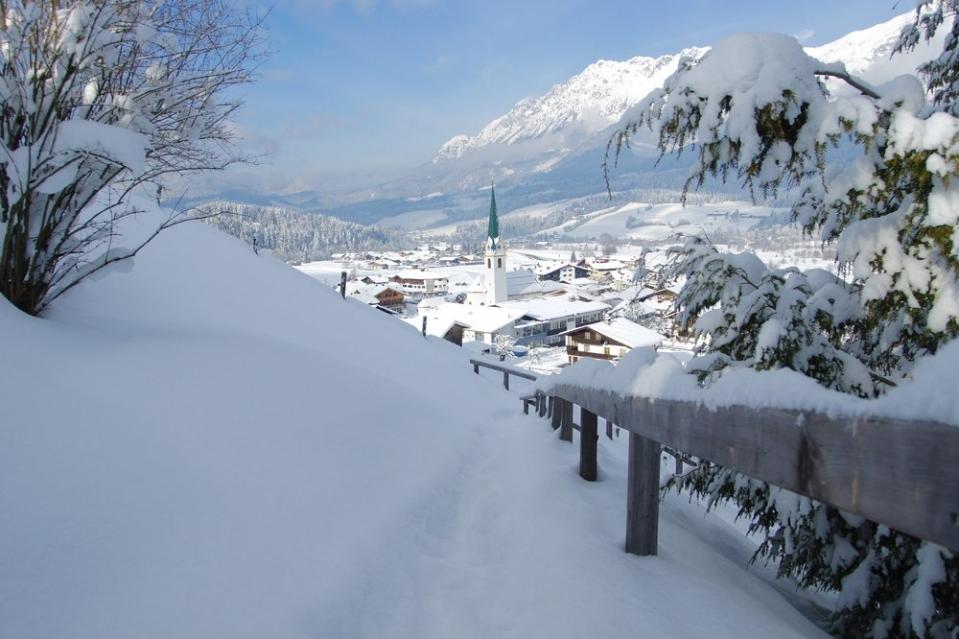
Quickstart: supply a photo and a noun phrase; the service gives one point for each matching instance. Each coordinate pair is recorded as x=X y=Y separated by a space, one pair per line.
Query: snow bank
x=928 y=396
x=214 y=445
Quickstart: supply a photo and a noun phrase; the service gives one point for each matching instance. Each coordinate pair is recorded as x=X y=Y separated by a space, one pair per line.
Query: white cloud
x=804 y=36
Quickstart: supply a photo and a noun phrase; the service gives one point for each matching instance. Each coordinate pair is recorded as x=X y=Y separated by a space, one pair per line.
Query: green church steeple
x=492 y=230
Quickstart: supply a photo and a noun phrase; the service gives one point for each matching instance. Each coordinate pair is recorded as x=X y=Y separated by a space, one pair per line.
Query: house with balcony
x=563 y=273
x=422 y=283
x=385 y=297
x=608 y=340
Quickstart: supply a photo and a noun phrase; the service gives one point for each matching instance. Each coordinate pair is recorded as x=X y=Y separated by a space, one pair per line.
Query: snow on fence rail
x=900 y=473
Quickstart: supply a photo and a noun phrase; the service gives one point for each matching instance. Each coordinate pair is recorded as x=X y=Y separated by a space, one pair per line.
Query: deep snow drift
x=214 y=445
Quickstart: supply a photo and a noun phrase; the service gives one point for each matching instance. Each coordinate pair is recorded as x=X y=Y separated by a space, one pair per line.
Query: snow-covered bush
x=758 y=109
x=100 y=98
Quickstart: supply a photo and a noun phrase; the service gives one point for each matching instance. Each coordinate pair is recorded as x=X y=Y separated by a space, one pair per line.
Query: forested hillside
x=298 y=236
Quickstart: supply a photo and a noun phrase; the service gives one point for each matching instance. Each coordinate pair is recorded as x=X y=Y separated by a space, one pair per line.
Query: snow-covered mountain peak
x=597 y=97
x=862 y=49
x=586 y=103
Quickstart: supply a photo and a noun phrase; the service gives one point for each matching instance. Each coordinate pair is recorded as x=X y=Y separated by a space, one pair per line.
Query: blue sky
x=356 y=87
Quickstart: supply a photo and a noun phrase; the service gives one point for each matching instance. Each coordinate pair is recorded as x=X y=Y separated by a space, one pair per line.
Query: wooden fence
x=901 y=473
x=506 y=370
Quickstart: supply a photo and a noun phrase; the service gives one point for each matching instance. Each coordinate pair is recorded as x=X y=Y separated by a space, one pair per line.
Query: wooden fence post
x=505 y=380
x=566 y=425
x=476 y=368
x=555 y=411
x=642 y=496
x=541 y=404
x=588 y=441
x=609 y=429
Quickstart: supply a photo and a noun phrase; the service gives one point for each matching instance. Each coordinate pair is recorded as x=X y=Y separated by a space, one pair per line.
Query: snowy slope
x=662 y=222
x=868 y=53
x=214 y=445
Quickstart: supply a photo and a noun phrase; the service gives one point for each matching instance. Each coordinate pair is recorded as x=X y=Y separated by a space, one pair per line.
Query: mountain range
x=551 y=147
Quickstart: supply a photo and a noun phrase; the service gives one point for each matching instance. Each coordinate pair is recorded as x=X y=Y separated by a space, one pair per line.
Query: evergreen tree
x=758 y=109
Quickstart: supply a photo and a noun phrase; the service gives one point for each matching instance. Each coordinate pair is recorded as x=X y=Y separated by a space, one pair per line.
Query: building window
x=606 y=351
x=499 y=262
x=489 y=264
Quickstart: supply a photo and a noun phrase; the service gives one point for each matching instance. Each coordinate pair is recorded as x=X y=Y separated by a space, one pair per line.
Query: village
x=541 y=307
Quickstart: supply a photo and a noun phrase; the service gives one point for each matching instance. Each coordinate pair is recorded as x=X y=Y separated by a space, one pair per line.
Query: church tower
x=495 y=257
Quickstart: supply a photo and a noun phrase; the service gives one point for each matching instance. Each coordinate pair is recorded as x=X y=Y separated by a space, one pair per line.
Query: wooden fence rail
x=506 y=370
x=899 y=473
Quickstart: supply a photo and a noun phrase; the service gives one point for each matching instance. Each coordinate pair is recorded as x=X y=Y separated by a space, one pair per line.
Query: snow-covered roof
x=485 y=319
x=364 y=297
x=539 y=287
x=520 y=280
x=612 y=265
x=556 y=266
x=357 y=288
x=437 y=324
x=550 y=308
x=422 y=275
x=431 y=302
x=623 y=331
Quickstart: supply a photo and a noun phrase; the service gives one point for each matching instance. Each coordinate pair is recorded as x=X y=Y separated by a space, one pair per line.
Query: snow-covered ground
x=215 y=445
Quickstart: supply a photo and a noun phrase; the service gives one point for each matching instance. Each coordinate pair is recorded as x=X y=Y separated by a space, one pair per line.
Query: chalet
x=391 y=299
x=604 y=269
x=381 y=264
x=609 y=340
x=661 y=297
x=564 y=273
x=666 y=295
x=626 y=303
x=385 y=297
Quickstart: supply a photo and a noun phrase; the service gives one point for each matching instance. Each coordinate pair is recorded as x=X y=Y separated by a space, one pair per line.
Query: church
x=495 y=289
x=532 y=313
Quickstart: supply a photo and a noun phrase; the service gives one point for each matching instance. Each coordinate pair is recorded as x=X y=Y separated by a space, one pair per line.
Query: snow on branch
x=103 y=98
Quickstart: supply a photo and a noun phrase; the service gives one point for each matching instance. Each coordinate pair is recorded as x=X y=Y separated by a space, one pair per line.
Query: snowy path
x=514 y=544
